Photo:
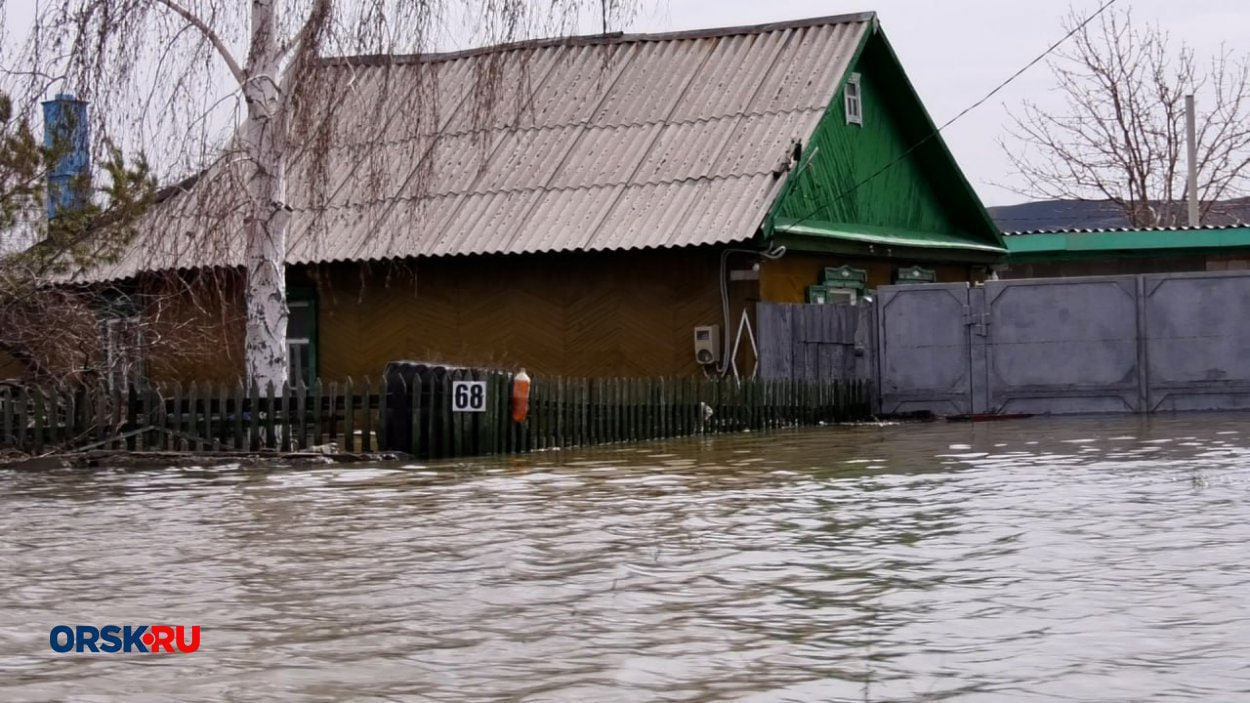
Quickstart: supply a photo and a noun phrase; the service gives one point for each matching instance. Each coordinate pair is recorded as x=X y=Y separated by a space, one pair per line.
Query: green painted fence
x=416 y=418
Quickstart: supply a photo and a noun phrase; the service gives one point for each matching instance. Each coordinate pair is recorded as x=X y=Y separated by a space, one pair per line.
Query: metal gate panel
x=1063 y=345
x=923 y=349
x=1197 y=341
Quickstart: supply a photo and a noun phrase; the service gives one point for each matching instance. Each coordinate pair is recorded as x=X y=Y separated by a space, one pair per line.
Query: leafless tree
x=1120 y=135
x=173 y=68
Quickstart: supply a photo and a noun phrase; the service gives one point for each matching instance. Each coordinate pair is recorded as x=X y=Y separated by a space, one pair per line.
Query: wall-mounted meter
x=707 y=344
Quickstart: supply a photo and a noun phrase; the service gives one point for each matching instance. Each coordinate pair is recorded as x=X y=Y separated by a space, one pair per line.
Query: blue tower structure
x=65 y=127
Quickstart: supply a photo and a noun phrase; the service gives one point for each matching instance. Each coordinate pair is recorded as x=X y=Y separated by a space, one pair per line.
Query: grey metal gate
x=1196 y=332
x=1145 y=343
x=924 y=348
x=1061 y=346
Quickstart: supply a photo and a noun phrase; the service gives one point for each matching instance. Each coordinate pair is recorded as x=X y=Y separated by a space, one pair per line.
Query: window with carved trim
x=854 y=102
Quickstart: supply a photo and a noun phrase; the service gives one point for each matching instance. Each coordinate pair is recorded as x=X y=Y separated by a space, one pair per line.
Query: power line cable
x=954 y=119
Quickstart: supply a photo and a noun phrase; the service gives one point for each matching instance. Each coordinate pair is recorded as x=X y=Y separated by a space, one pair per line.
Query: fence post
x=332 y=416
x=7 y=438
x=193 y=423
x=349 y=416
x=273 y=415
x=159 y=438
x=366 y=417
x=284 y=418
x=237 y=414
x=38 y=410
x=314 y=403
x=23 y=417
x=382 y=439
x=301 y=415
x=415 y=399
x=580 y=429
x=253 y=416
x=531 y=428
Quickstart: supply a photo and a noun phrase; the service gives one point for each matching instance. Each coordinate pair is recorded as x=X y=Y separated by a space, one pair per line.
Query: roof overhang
x=841 y=238
x=1060 y=245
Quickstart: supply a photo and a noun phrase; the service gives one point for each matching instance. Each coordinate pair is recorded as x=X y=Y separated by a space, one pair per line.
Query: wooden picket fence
x=415 y=418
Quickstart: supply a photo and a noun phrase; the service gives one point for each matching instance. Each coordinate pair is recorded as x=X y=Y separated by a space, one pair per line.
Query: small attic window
x=854 y=108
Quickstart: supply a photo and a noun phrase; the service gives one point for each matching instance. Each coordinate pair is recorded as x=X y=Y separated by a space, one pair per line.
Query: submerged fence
x=457 y=414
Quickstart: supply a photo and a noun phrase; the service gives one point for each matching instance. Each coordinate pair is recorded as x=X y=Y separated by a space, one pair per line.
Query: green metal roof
x=1075 y=243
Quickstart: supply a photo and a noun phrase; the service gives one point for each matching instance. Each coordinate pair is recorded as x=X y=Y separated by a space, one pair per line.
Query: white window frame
x=853 y=100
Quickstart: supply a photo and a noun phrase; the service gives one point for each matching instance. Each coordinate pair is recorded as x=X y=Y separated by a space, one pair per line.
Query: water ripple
x=1046 y=560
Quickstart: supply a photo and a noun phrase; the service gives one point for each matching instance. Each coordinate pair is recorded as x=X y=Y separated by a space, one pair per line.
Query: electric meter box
x=707 y=344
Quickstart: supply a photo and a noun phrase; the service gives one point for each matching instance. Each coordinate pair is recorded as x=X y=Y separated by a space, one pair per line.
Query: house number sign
x=468 y=396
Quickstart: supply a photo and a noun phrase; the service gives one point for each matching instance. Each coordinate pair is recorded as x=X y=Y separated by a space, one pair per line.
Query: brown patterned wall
x=618 y=314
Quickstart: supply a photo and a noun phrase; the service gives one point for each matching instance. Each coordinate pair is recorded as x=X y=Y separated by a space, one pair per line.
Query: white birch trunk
x=265 y=140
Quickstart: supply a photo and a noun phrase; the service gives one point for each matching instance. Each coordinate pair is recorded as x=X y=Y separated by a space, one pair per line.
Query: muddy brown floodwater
x=1038 y=560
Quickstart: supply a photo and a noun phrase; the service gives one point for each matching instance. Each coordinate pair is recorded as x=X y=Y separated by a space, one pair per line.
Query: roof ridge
x=612 y=38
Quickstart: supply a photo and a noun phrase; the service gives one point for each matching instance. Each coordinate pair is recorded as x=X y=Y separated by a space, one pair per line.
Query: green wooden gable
x=886 y=186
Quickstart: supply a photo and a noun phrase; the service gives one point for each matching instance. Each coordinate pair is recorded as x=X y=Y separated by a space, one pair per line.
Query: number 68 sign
x=468 y=396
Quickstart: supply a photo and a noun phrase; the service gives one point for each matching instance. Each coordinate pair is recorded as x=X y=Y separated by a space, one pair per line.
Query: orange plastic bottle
x=520 y=396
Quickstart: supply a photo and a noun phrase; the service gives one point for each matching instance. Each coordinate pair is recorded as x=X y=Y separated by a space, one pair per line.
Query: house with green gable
x=628 y=202
x=880 y=189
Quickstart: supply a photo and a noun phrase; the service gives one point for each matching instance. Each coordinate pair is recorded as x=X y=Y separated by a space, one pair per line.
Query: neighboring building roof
x=596 y=143
x=1094 y=242
x=1057 y=215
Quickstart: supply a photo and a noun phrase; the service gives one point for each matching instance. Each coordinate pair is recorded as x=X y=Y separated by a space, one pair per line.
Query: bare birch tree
x=1120 y=135
x=167 y=66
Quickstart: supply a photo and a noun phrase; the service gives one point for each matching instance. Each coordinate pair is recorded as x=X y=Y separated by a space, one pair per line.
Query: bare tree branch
x=211 y=35
x=1120 y=133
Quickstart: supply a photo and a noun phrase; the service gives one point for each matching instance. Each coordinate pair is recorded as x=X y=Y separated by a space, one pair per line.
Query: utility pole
x=1192 y=143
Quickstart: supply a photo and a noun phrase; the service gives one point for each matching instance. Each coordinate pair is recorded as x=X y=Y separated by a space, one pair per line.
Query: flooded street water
x=1038 y=560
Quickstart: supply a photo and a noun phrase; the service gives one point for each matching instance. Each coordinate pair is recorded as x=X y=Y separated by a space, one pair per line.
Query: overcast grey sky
x=955 y=51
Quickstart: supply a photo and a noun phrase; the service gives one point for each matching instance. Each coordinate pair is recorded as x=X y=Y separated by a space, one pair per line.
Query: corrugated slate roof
x=592 y=144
